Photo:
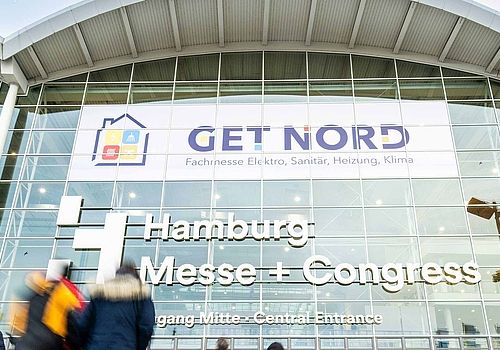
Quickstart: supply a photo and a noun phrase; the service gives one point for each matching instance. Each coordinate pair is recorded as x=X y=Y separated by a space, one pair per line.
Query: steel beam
x=128 y=31
x=357 y=23
x=405 y=26
x=310 y=23
x=493 y=62
x=451 y=38
x=265 y=24
x=220 y=19
x=83 y=45
x=38 y=64
x=175 y=25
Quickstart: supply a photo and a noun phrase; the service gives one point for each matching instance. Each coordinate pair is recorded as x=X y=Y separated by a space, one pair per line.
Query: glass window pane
x=486 y=189
x=240 y=92
x=16 y=142
x=447 y=72
x=284 y=65
x=138 y=194
x=203 y=67
x=149 y=93
x=289 y=193
x=81 y=258
x=187 y=194
x=329 y=66
x=22 y=118
x=195 y=93
x=236 y=193
x=342 y=250
x=45 y=168
x=285 y=92
x=161 y=70
x=390 y=221
x=7 y=191
x=486 y=250
x=337 y=192
x=27 y=253
x=456 y=318
x=485 y=163
x=393 y=250
x=338 y=222
x=442 y=250
x=372 y=67
x=375 y=90
x=40 y=194
x=330 y=91
x=62 y=94
x=239 y=66
x=4 y=87
x=467 y=89
x=386 y=192
x=80 y=78
x=106 y=94
x=11 y=166
x=421 y=89
x=493 y=316
x=441 y=221
x=31 y=97
x=416 y=70
x=57 y=118
x=121 y=73
x=400 y=318
x=437 y=191
x=95 y=194
x=472 y=112
x=51 y=142
x=495 y=88
x=476 y=137
x=33 y=223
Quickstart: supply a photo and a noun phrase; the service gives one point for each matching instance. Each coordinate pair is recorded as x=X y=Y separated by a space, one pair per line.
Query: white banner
x=233 y=142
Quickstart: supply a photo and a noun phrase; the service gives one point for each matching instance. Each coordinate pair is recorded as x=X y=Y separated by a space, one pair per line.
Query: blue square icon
x=258 y=146
x=130 y=137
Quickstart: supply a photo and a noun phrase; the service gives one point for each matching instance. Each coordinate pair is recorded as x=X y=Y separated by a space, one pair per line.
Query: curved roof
x=96 y=34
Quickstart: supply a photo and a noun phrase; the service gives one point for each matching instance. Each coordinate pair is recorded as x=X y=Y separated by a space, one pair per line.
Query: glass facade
x=367 y=219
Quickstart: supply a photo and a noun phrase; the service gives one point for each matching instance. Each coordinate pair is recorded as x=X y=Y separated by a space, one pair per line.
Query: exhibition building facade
x=317 y=193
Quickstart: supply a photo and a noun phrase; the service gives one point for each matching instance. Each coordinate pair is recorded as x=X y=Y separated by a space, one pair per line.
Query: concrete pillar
x=7 y=112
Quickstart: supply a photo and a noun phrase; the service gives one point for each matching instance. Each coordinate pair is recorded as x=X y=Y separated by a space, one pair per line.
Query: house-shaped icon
x=116 y=145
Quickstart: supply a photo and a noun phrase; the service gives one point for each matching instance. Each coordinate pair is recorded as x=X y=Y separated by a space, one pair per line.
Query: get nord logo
x=329 y=137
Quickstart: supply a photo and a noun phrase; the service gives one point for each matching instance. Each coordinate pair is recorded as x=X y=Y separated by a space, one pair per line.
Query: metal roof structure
x=96 y=34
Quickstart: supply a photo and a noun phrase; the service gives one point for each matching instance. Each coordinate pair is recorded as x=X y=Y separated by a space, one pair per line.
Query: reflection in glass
x=284 y=65
x=442 y=250
x=416 y=70
x=375 y=90
x=467 y=89
x=389 y=221
x=285 y=92
x=408 y=318
x=161 y=70
x=32 y=223
x=31 y=97
x=240 y=92
x=338 y=222
x=187 y=194
x=236 y=193
x=62 y=94
x=392 y=250
x=336 y=192
x=121 y=73
x=95 y=194
x=106 y=94
x=11 y=167
x=289 y=193
x=46 y=168
x=138 y=194
x=22 y=118
x=456 y=318
x=195 y=93
x=372 y=67
x=441 y=221
x=421 y=89
x=151 y=93
x=51 y=142
x=486 y=163
x=436 y=191
x=328 y=66
x=241 y=66
x=472 y=112
x=57 y=118
x=342 y=250
x=476 y=137
x=330 y=91
x=195 y=68
x=386 y=192
x=40 y=194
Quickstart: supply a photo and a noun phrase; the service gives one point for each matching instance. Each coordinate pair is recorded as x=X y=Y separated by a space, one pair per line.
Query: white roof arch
x=94 y=34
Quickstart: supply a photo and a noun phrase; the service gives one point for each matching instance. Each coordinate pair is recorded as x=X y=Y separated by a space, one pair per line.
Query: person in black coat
x=2 y=342
x=120 y=314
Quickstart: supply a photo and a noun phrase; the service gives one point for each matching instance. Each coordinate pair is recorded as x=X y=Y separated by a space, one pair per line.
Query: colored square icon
x=110 y=152
x=113 y=137
x=130 y=137
x=128 y=152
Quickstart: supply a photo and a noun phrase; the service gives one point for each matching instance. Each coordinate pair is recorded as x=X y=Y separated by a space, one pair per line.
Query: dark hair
x=128 y=268
x=222 y=344
x=275 y=346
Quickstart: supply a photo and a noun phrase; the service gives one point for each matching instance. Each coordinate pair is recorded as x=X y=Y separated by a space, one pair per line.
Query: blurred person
x=222 y=344
x=275 y=346
x=42 y=323
x=2 y=342
x=120 y=314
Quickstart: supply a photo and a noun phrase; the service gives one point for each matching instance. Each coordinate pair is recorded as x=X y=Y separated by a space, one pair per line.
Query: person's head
x=275 y=346
x=222 y=344
x=127 y=269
